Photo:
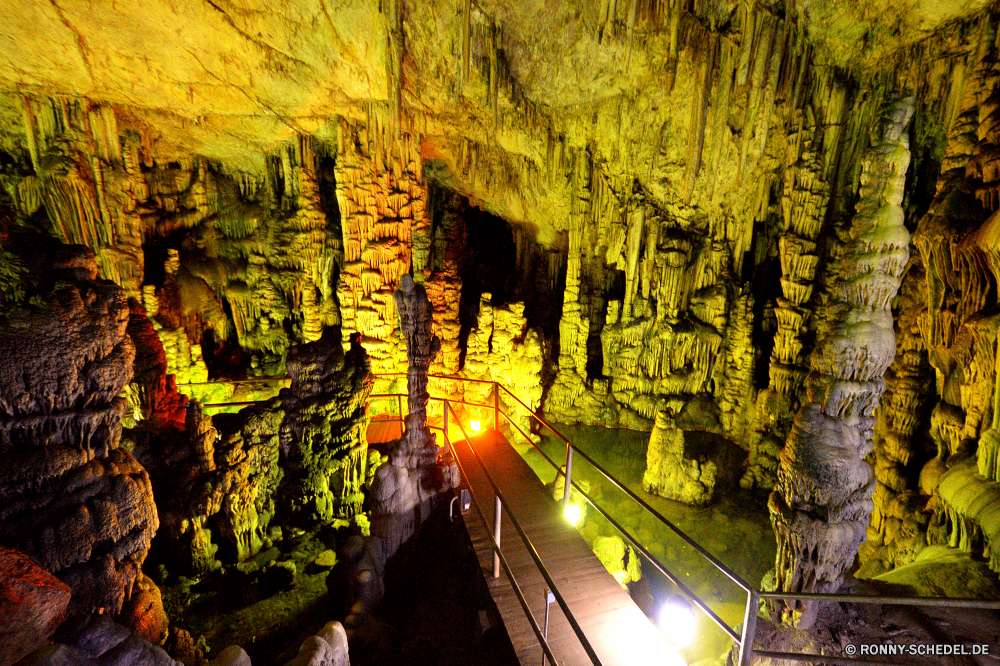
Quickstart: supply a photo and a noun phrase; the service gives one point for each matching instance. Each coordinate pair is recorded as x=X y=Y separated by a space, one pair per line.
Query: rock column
x=70 y=496
x=416 y=318
x=823 y=495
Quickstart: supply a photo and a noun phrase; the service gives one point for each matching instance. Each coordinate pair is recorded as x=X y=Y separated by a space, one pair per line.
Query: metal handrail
x=587 y=647
x=939 y=602
x=246 y=380
x=662 y=569
x=729 y=573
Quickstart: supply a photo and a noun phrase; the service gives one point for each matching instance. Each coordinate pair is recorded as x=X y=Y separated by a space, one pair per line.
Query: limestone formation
x=677 y=189
x=671 y=475
x=326 y=648
x=967 y=514
x=619 y=558
x=804 y=201
x=303 y=455
x=70 y=496
x=404 y=486
x=214 y=508
x=412 y=474
x=381 y=198
x=946 y=357
x=503 y=349
x=322 y=433
x=822 y=500
x=418 y=445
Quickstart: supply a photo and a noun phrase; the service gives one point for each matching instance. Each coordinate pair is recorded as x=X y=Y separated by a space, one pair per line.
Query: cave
x=446 y=334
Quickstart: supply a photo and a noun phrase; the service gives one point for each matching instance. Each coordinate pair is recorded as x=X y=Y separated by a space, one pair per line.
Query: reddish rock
x=143 y=612
x=158 y=396
x=32 y=604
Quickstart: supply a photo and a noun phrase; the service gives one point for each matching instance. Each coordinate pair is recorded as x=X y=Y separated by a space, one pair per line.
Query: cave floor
x=735 y=528
x=437 y=609
x=267 y=612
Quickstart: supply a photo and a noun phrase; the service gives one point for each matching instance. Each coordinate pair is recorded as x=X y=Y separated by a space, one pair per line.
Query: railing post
x=549 y=598
x=447 y=442
x=496 y=535
x=749 y=628
x=568 y=482
x=399 y=405
x=496 y=406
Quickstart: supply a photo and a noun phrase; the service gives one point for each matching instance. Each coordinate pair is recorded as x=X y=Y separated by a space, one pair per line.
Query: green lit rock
x=322 y=437
x=620 y=559
x=671 y=475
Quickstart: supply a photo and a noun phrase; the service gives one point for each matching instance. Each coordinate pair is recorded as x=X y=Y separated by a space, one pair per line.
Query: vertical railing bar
x=497 y=518
x=568 y=481
x=548 y=600
x=749 y=628
x=496 y=406
x=447 y=442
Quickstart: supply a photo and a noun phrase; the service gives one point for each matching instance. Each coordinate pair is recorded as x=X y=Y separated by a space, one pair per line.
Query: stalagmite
x=822 y=499
x=417 y=446
x=671 y=475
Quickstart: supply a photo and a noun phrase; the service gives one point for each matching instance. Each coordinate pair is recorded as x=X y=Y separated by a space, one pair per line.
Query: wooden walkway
x=619 y=632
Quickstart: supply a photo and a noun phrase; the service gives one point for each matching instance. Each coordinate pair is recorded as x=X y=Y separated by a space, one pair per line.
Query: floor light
x=676 y=622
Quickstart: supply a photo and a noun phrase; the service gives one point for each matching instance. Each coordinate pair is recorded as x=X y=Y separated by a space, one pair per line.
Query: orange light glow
x=475 y=425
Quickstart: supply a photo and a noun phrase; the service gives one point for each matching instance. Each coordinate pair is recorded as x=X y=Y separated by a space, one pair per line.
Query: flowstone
x=823 y=495
x=671 y=475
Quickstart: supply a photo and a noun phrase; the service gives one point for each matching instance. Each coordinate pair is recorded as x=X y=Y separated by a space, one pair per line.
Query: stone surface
x=70 y=497
x=144 y=613
x=97 y=639
x=671 y=475
x=32 y=604
x=232 y=656
x=822 y=500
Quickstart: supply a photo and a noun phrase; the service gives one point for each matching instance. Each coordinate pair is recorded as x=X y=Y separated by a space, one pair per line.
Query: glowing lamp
x=677 y=622
x=475 y=425
x=573 y=513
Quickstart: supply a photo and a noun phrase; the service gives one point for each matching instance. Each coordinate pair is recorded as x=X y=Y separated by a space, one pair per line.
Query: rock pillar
x=823 y=495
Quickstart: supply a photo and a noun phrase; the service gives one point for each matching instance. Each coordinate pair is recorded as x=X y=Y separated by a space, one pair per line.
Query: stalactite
x=804 y=201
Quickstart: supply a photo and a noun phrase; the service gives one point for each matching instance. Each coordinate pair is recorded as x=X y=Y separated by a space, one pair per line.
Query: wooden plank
x=384 y=429
x=618 y=631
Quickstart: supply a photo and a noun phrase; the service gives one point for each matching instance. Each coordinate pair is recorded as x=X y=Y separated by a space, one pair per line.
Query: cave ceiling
x=233 y=80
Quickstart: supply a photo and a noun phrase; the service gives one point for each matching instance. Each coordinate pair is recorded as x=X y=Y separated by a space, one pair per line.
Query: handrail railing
x=553 y=588
x=729 y=573
x=743 y=639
